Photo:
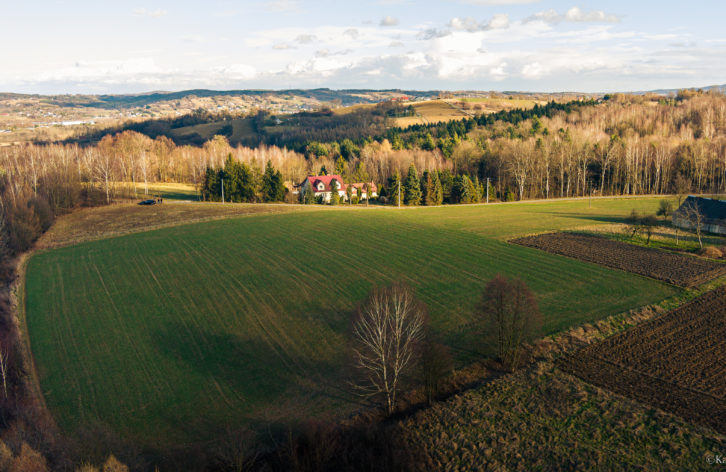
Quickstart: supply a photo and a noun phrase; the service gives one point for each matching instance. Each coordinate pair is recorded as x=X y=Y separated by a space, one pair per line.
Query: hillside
x=168 y=336
x=57 y=117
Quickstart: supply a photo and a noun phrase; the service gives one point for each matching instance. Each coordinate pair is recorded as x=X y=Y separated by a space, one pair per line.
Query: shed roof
x=712 y=210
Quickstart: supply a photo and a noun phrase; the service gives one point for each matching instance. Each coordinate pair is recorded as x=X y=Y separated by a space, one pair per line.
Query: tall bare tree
x=386 y=331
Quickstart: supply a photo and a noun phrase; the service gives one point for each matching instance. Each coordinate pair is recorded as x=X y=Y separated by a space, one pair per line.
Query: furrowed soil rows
x=677 y=269
x=676 y=362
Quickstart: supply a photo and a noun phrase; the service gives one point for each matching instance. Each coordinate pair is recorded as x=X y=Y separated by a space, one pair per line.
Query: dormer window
x=321 y=186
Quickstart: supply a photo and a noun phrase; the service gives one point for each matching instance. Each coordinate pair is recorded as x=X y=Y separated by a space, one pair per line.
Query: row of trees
x=239 y=182
x=435 y=187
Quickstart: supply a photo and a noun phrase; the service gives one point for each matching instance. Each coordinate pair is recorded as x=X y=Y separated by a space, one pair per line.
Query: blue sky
x=58 y=46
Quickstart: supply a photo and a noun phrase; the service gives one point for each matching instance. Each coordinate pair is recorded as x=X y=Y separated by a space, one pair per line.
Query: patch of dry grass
x=431 y=111
x=543 y=419
x=102 y=222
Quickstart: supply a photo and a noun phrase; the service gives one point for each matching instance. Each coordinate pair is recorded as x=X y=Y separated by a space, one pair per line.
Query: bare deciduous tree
x=4 y=370
x=692 y=214
x=509 y=307
x=386 y=330
x=435 y=364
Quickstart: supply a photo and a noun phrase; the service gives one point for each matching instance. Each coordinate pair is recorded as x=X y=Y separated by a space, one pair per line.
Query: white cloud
x=158 y=13
x=575 y=15
x=282 y=46
x=353 y=33
x=286 y=6
x=499 y=2
x=499 y=21
x=306 y=38
x=389 y=21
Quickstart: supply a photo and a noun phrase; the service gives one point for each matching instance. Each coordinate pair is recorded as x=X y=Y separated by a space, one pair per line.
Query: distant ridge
x=112 y=101
x=721 y=88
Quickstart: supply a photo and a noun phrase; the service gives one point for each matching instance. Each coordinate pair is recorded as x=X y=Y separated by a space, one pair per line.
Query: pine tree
x=476 y=190
x=334 y=196
x=273 y=188
x=341 y=167
x=412 y=187
x=393 y=186
x=307 y=194
x=427 y=188
x=438 y=196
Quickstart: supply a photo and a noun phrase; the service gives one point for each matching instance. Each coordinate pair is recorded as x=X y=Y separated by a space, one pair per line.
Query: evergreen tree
x=476 y=189
x=412 y=187
x=273 y=188
x=341 y=167
x=239 y=181
x=461 y=191
x=307 y=194
x=447 y=183
x=393 y=187
x=348 y=149
x=334 y=196
x=427 y=188
x=210 y=186
x=438 y=193
x=323 y=171
x=367 y=190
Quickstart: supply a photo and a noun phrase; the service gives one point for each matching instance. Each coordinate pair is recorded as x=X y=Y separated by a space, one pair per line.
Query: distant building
x=321 y=186
x=713 y=213
x=359 y=190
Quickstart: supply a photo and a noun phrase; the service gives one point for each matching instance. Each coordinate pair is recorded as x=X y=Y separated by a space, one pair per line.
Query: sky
x=83 y=46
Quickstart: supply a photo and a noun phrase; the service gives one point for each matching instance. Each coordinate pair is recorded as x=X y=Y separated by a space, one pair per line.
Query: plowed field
x=676 y=362
x=678 y=269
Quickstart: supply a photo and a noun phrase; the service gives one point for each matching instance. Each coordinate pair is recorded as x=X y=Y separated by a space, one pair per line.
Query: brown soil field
x=676 y=362
x=677 y=269
x=543 y=419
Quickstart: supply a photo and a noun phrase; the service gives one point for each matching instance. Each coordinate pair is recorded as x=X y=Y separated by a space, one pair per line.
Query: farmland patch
x=167 y=336
x=542 y=419
x=678 y=269
x=675 y=362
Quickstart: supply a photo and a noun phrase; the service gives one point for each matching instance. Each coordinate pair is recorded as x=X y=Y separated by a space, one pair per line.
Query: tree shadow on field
x=251 y=366
x=588 y=216
x=256 y=378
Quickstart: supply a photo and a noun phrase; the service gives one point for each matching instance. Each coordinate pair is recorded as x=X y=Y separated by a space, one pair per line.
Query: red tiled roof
x=325 y=179
x=359 y=185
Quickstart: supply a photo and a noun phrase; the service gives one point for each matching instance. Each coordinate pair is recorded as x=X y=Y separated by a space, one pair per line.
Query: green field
x=168 y=336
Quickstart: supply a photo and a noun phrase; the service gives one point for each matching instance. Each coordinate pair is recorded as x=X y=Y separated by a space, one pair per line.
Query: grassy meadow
x=168 y=336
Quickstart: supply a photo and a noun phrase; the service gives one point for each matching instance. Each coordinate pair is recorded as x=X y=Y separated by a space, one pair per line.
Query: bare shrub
x=435 y=364
x=509 y=307
x=711 y=252
x=29 y=460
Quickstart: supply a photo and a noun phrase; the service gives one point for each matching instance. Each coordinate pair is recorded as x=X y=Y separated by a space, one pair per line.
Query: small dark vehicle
x=148 y=202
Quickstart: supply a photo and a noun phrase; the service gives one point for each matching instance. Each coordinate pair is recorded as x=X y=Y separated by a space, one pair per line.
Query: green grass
x=168 y=336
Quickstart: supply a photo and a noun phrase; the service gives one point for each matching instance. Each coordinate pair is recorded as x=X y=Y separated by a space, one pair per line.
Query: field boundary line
x=18 y=296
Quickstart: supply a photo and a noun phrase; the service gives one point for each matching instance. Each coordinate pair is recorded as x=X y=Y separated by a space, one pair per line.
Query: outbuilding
x=709 y=212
